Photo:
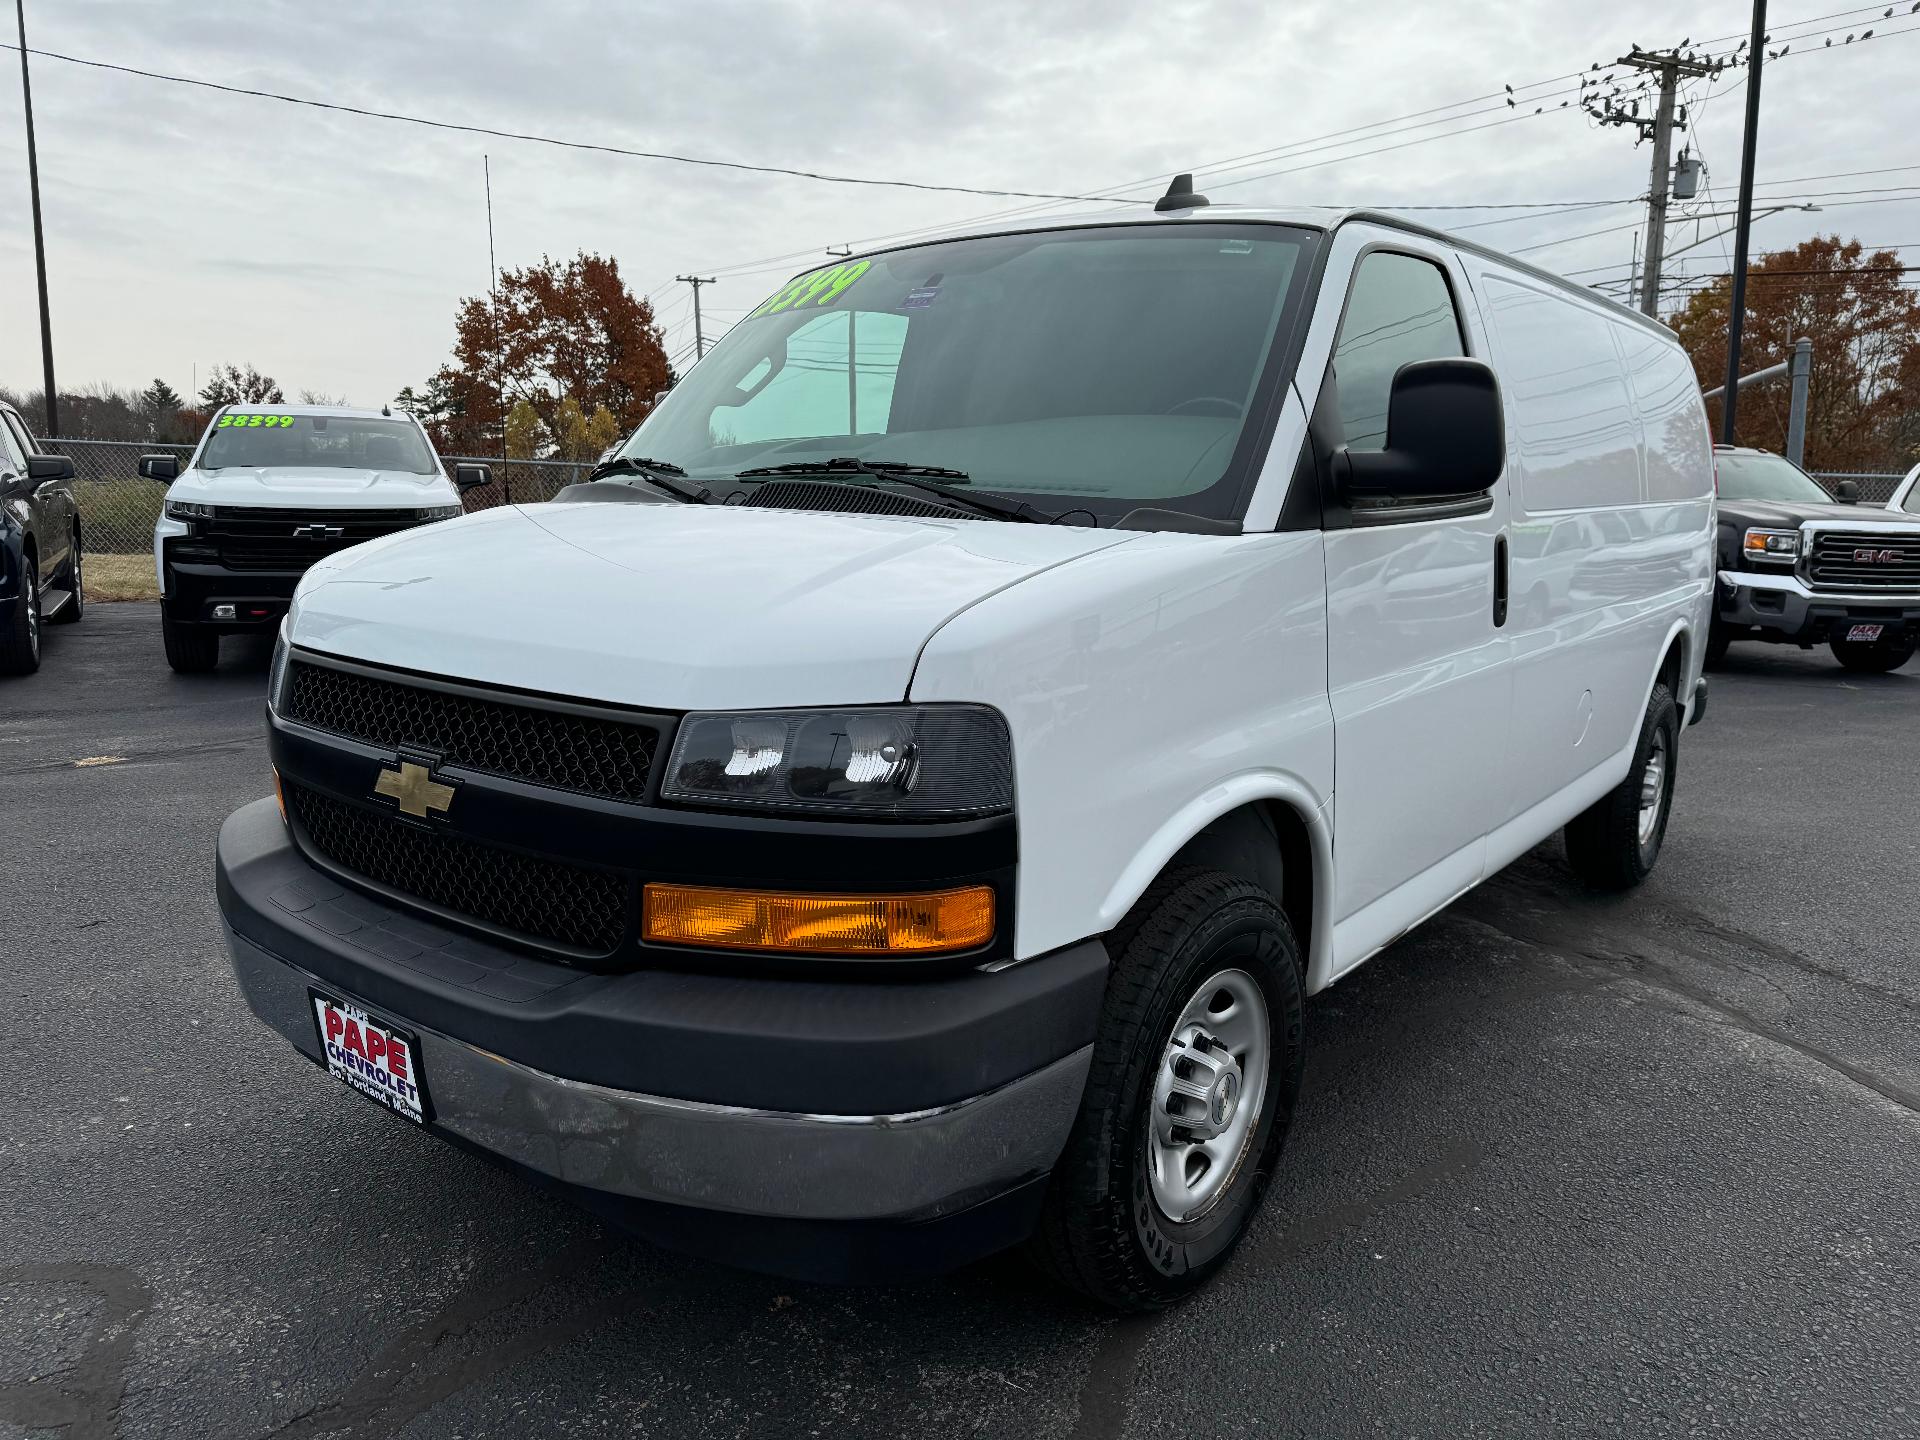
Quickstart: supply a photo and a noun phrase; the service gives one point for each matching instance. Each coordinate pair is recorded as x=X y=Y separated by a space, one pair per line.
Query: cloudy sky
x=188 y=227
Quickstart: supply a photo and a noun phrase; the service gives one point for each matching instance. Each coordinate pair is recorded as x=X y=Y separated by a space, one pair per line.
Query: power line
x=594 y=146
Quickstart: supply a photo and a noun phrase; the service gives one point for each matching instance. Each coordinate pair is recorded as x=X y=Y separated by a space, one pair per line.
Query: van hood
x=675 y=607
x=307 y=487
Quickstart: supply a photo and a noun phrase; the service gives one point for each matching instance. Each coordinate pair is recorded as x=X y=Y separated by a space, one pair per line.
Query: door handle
x=1499 y=581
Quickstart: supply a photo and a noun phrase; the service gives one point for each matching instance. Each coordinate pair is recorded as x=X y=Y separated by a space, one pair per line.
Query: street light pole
x=1737 y=308
x=39 y=235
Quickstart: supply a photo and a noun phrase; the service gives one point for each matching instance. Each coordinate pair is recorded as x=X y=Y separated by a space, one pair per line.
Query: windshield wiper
x=923 y=478
x=660 y=474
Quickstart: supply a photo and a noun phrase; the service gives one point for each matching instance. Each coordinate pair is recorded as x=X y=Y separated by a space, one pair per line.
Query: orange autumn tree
x=1863 y=399
x=560 y=331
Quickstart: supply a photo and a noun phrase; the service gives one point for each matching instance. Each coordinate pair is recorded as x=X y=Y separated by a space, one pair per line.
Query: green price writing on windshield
x=251 y=420
x=813 y=291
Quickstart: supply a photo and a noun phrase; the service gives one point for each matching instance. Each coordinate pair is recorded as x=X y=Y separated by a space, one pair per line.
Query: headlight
x=440 y=512
x=188 y=510
x=277 y=672
x=1782 y=547
x=888 y=762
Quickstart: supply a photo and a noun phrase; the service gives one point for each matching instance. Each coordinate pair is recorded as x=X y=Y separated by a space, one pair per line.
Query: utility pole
x=1738 y=304
x=699 y=340
x=1670 y=67
x=39 y=235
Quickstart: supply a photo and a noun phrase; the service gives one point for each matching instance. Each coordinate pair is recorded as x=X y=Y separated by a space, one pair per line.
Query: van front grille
x=546 y=901
x=587 y=754
x=1865 y=560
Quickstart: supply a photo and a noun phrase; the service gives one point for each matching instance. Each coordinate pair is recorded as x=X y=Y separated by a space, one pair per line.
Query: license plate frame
x=1865 y=634
x=358 y=1060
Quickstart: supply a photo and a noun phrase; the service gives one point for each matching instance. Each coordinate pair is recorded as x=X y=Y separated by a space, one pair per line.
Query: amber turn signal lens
x=279 y=795
x=799 y=923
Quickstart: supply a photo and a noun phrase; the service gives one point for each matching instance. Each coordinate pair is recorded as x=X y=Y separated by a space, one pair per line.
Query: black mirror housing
x=1847 y=493
x=163 y=468
x=470 y=476
x=1446 y=434
x=41 y=468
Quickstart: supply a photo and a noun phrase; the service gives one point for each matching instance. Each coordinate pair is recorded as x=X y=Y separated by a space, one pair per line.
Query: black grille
x=1865 y=560
x=587 y=754
x=261 y=538
x=542 y=900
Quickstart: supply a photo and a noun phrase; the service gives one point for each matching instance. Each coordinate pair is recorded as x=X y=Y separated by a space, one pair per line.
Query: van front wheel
x=1196 y=1070
x=1613 y=844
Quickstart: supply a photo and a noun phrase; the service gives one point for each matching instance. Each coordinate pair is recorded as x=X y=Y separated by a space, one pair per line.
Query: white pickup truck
x=900 y=806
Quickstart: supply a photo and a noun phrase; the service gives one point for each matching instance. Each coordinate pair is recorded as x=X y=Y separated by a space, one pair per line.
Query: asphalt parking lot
x=1646 y=1165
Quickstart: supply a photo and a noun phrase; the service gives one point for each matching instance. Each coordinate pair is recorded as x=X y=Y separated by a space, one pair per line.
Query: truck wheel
x=1196 y=1070
x=20 y=640
x=190 y=649
x=1874 y=657
x=1613 y=844
x=71 y=612
x=1717 y=641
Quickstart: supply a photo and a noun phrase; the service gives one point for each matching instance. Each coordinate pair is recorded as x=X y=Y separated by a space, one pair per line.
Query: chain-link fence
x=1876 y=486
x=118 y=509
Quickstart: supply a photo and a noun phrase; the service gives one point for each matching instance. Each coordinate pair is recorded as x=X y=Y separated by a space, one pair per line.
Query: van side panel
x=1612 y=530
x=1149 y=688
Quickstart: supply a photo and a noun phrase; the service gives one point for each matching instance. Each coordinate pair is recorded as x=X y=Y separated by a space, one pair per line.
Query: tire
x=77 y=607
x=1105 y=1230
x=1614 y=844
x=190 y=649
x=20 y=641
x=1873 y=657
x=1717 y=642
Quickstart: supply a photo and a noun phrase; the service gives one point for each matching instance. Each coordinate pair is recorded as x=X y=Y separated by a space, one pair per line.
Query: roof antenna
x=1179 y=196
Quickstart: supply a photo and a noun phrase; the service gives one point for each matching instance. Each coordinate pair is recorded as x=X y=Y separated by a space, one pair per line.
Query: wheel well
x=1672 y=666
x=1265 y=842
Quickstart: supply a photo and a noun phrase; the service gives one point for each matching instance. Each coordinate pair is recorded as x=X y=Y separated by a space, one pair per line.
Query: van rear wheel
x=1196 y=1071
x=1613 y=844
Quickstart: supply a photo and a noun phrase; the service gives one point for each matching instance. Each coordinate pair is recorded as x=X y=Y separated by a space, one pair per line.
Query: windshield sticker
x=920 y=297
x=814 y=291
x=251 y=420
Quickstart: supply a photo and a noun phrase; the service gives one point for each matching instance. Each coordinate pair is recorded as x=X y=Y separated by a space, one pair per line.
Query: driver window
x=1400 y=309
x=837 y=380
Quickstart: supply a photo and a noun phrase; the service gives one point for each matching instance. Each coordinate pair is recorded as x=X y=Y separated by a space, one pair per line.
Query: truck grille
x=1865 y=560
x=584 y=753
x=248 y=537
x=541 y=900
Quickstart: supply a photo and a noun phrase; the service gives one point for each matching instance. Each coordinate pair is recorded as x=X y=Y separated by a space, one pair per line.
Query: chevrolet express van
x=900 y=806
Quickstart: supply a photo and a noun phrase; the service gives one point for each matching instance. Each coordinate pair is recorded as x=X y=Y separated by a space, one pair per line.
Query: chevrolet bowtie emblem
x=414 y=790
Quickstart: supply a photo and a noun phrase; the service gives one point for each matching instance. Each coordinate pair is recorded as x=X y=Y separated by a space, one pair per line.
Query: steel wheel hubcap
x=1207 y=1094
x=1653 y=788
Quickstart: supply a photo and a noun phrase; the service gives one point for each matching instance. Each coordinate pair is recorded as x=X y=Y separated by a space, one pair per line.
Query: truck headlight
x=440 y=512
x=1781 y=547
x=188 y=510
x=886 y=762
x=277 y=672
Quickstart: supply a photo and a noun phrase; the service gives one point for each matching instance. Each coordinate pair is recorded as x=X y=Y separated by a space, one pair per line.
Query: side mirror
x=164 y=468
x=42 y=468
x=469 y=476
x=1847 y=493
x=1446 y=434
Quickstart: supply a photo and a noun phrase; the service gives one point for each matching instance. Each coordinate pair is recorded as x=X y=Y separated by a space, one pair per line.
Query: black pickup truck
x=39 y=545
x=1800 y=568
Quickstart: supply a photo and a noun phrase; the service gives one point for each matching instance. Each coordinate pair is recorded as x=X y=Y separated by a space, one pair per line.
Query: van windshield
x=311 y=442
x=1099 y=370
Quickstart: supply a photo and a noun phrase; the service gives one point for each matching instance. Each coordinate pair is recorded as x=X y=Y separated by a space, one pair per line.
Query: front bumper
x=1783 y=607
x=193 y=587
x=974 y=1080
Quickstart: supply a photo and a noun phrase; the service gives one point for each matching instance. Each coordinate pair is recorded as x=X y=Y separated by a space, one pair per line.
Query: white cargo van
x=900 y=806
